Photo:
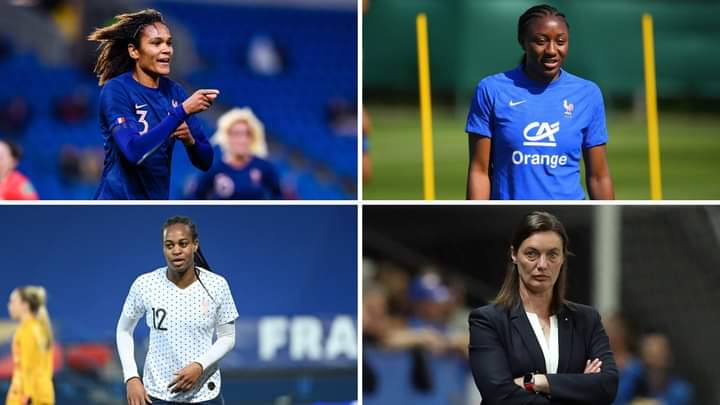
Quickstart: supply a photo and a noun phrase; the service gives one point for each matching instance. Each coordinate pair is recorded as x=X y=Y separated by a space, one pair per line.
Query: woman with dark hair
x=142 y=112
x=185 y=304
x=531 y=345
x=529 y=127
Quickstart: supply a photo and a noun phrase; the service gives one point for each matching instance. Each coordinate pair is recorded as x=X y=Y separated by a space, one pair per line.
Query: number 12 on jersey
x=158 y=318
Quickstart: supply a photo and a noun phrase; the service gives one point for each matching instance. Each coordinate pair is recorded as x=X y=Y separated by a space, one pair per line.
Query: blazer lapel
x=565 y=335
x=522 y=324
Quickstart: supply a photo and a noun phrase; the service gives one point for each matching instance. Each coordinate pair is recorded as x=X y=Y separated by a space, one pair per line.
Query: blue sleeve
x=479 y=120
x=273 y=182
x=678 y=393
x=629 y=378
x=201 y=153
x=116 y=107
x=125 y=130
x=203 y=186
x=596 y=132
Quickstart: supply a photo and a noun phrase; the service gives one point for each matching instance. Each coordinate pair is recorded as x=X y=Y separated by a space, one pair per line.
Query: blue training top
x=136 y=123
x=257 y=180
x=538 y=133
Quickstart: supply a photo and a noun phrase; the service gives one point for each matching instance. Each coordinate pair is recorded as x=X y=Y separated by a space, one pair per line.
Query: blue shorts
x=218 y=400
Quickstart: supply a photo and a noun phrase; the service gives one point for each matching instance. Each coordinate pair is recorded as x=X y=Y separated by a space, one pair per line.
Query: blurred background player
x=242 y=173
x=185 y=310
x=142 y=112
x=657 y=383
x=32 y=349
x=13 y=184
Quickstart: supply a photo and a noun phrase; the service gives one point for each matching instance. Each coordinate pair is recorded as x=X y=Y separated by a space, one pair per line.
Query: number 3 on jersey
x=142 y=114
x=158 y=318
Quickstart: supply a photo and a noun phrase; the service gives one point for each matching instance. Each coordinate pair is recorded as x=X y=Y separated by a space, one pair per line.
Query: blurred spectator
x=629 y=367
x=382 y=330
x=242 y=173
x=80 y=165
x=342 y=117
x=14 y=115
x=13 y=184
x=432 y=306
x=657 y=382
x=264 y=57
x=458 y=314
x=395 y=281
x=73 y=108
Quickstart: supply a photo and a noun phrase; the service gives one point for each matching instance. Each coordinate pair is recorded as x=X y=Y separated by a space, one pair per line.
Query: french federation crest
x=569 y=107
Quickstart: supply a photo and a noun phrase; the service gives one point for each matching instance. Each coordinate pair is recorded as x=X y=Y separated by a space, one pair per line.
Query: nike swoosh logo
x=513 y=104
x=139 y=106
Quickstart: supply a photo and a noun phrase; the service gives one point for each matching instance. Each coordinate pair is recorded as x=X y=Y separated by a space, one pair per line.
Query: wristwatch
x=529 y=382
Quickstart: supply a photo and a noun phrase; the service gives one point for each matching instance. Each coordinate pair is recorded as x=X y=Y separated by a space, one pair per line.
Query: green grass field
x=689 y=153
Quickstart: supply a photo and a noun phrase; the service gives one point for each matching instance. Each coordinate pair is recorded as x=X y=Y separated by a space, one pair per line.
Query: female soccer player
x=242 y=174
x=184 y=304
x=142 y=112
x=32 y=349
x=529 y=126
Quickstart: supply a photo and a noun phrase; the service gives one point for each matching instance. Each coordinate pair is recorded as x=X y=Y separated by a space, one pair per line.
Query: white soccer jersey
x=182 y=323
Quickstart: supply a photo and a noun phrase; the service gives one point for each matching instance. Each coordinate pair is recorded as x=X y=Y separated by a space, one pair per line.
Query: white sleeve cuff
x=222 y=346
x=126 y=346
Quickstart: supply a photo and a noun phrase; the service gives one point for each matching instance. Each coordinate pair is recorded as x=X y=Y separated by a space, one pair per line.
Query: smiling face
x=546 y=44
x=179 y=248
x=155 y=51
x=539 y=260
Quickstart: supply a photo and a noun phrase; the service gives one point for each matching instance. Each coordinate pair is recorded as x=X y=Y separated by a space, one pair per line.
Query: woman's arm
x=594 y=388
x=222 y=346
x=196 y=144
x=478 y=183
x=489 y=364
x=189 y=375
x=29 y=359
x=126 y=346
x=597 y=173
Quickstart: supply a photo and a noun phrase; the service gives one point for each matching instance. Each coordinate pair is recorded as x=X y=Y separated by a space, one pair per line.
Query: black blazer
x=503 y=347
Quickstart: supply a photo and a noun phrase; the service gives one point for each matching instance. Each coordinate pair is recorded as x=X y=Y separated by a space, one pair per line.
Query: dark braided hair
x=114 y=40
x=198 y=256
x=540 y=11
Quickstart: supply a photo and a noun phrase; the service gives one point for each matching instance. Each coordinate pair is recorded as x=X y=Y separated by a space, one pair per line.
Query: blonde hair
x=36 y=298
x=230 y=118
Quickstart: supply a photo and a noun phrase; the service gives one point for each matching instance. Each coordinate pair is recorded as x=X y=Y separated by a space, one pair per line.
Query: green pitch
x=689 y=153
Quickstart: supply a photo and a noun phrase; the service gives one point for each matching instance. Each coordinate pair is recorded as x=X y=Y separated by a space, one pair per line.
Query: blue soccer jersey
x=131 y=115
x=538 y=133
x=258 y=180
